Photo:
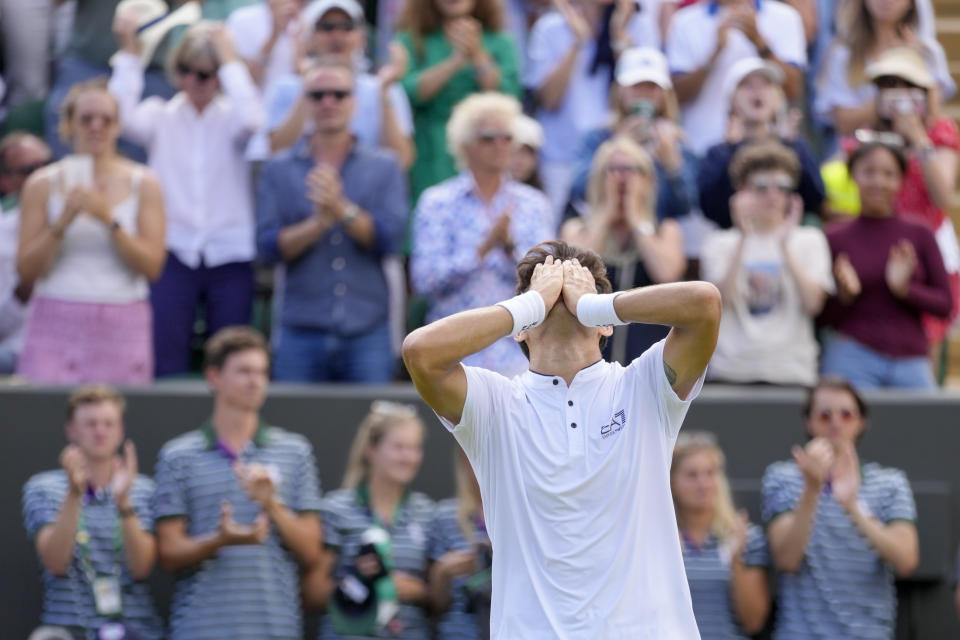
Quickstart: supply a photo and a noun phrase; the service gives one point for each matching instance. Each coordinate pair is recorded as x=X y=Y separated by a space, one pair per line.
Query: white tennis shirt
x=576 y=495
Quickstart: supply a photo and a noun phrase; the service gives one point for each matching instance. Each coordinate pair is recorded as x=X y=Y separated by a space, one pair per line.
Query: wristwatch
x=645 y=228
x=350 y=213
x=114 y=227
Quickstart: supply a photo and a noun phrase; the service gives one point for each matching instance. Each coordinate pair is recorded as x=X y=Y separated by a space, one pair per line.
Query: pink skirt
x=85 y=342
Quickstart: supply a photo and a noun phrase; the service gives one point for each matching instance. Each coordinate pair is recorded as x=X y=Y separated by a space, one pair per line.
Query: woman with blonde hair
x=619 y=222
x=460 y=556
x=91 y=238
x=455 y=48
x=372 y=576
x=724 y=555
x=845 y=97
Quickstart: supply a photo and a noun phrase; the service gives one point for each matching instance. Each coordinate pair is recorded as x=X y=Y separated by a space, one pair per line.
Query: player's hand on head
x=577 y=281
x=547 y=280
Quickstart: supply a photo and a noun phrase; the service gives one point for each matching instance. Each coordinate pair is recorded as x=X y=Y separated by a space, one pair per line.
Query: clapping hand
x=324 y=188
x=848 y=282
x=75 y=464
x=124 y=473
x=575 y=20
x=815 y=461
x=396 y=67
x=233 y=533
x=256 y=481
x=845 y=480
x=901 y=265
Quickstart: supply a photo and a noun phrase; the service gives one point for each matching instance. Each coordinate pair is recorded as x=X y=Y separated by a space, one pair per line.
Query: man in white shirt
x=20 y=155
x=707 y=38
x=573 y=456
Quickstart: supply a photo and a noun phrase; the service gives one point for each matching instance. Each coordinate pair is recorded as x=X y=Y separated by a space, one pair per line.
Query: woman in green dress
x=455 y=47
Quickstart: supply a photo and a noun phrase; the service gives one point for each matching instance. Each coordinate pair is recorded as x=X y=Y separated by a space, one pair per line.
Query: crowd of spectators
x=235 y=513
x=336 y=174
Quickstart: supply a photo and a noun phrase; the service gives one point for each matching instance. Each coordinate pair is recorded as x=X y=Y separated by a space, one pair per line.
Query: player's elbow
x=415 y=351
x=708 y=300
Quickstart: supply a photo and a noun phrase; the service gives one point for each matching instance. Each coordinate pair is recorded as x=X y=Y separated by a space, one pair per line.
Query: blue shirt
x=450 y=224
x=708 y=574
x=457 y=622
x=843 y=589
x=336 y=285
x=243 y=592
x=68 y=600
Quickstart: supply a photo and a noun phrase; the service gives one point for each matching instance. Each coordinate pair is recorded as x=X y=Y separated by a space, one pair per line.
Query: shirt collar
x=586 y=375
x=301 y=149
x=260 y=439
x=713 y=7
x=467 y=185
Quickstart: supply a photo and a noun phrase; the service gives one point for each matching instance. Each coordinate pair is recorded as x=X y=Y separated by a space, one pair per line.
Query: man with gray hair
x=330 y=236
x=470 y=231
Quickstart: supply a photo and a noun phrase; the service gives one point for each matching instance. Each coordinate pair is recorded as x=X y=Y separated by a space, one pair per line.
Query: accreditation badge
x=106 y=596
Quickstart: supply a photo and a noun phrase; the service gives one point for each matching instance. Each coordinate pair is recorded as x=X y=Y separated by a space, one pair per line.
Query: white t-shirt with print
x=576 y=496
x=765 y=335
x=691 y=41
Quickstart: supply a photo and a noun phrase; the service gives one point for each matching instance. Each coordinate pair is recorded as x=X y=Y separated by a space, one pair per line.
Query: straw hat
x=155 y=21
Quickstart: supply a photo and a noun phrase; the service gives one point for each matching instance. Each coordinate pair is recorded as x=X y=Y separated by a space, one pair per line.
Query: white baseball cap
x=319 y=8
x=746 y=66
x=155 y=22
x=643 y=64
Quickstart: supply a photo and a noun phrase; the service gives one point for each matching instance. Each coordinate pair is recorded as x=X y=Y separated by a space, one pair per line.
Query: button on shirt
x=691 y=41
x=336 y=285
x=248 y=592
x=68 y=600
x=450 y=224
x=199 y=160
x=580 y=517
x=843 y=589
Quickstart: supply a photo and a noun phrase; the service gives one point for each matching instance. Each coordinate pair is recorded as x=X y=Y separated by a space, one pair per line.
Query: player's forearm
x=751 y=595
x=181 y=552
x=896 y=547
x=441 y=345
x=139 y=548
x=684 y=305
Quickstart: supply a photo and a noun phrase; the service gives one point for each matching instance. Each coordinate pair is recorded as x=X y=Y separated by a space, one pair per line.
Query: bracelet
x=527 y=309
x=114 y=227
x=129 y=512
x=925 y=152
x=350 y=213
x=596 y=310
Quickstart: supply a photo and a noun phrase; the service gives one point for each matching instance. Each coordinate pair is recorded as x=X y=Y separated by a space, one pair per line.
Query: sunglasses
x=844 y=415
x=87 y=119
x=342 y=25
x=762 y=185
x=200 y=75
x=27 y=169
x=318 y=95
x=886 y=138
x=624 y=168
x=490 y=136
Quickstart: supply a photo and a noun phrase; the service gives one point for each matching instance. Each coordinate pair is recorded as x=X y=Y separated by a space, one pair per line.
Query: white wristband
x=596 y=310
x=527 y=310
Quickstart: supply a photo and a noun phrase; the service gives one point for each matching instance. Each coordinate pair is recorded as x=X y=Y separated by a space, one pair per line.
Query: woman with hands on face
x=889 y=272
x=725 y=556
x=91 y=239
x=839 y=529
x=773 y=273
x=620 y=224
x=372 y=574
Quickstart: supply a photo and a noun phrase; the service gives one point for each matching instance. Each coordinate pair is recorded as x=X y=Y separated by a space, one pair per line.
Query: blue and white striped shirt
x=446 y=535
x=708 y=574
x=843 y=589
x=346 y=516
x=68 y=600
x=246 y=591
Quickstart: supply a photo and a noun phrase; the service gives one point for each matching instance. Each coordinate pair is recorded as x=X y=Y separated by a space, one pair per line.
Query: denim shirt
x=335 y=285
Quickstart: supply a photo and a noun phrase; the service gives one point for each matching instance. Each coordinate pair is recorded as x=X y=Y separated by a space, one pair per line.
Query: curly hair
x=763 y=156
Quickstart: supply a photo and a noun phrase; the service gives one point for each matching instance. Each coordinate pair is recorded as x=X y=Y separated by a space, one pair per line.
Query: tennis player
x=573 y=456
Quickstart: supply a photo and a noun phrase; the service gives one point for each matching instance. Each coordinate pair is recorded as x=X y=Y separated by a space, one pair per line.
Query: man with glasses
x=382 y=117
x=774 y=274
x=329 y=211
x=839 y=529
x=470 y=231
x=20 y=155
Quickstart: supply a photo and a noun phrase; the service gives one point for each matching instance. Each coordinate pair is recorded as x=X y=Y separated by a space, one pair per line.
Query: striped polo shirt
x=68 y=600
x=244 y=591
x=446 y=535
x=346 y=515
x=708 y=573
x=843 y=589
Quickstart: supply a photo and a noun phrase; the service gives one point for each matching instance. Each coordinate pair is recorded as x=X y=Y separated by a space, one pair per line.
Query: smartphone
x=77 y=171
x=902 y=101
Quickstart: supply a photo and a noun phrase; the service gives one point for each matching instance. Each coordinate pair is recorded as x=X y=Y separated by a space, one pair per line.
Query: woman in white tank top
x=91 y=237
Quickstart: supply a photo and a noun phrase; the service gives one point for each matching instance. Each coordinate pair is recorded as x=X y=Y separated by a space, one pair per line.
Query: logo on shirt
x=615 y=425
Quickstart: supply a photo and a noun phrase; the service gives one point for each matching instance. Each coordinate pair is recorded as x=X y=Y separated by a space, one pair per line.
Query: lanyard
x=363 y=493
x=83 y=546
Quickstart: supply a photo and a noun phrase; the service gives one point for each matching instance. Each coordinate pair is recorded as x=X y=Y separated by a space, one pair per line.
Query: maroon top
x=877 y=318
